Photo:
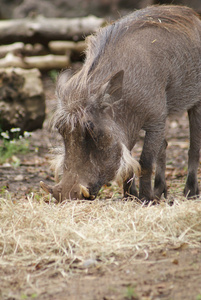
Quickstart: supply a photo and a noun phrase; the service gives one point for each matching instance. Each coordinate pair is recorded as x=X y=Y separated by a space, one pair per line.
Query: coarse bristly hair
x=71 y=105
x=128 y=166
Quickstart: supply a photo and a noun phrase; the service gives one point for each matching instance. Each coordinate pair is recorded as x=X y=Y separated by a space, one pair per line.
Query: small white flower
x=15 y=129
x=5 y=135
x=26 y=134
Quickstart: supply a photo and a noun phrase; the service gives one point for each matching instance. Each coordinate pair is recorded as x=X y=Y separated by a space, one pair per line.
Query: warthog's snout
x=59 y=193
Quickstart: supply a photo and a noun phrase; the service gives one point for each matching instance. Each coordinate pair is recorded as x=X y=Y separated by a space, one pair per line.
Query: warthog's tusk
x=84 y=191
x=46 y=187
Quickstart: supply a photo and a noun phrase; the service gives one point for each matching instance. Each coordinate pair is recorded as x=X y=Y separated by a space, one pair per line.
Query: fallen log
x=11 y=48
x=22 y=49
x=55 y=47
x=42 y=30
x=33 y=50
x=45 y=62
x=63 y=47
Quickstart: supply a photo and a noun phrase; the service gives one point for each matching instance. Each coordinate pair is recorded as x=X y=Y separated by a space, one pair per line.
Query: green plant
x=130 y=293
x=10 y=147
x=53 y=75
x=3 y=189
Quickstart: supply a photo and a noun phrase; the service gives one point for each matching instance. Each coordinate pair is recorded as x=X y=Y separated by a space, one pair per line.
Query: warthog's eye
x=89 y=126
x=95 y=137
x=90 y=130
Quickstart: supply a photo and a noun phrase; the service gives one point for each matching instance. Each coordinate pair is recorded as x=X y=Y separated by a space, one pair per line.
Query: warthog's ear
x=113 y=88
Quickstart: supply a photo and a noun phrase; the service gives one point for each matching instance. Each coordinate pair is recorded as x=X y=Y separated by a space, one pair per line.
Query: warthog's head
x=94 y=143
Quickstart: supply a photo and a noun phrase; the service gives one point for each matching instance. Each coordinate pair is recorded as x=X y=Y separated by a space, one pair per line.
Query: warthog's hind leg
x=191 y=187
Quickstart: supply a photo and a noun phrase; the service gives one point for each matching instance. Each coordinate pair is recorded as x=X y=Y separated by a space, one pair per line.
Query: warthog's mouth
x=82 y=193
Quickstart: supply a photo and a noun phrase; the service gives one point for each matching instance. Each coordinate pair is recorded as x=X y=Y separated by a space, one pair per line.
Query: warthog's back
x=160 y=50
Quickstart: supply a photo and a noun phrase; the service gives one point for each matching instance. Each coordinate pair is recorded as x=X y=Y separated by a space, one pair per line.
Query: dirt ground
x=168 y=274
x=173 y=273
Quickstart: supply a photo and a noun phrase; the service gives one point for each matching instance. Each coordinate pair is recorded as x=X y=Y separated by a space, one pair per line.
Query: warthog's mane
x=72 y=107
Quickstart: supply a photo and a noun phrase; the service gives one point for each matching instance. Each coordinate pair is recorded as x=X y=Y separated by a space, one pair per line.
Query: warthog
x=138 y=71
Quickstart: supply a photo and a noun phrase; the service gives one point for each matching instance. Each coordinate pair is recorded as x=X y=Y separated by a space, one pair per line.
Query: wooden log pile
x=22 y=99
x=30 y=45
x=44 y=43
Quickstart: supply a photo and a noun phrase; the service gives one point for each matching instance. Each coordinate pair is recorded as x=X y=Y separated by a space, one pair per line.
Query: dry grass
x=35 y=233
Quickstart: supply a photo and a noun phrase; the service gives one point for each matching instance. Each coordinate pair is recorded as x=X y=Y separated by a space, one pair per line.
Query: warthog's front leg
x=191 y=188
x=152 y=144
x=160 y=182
